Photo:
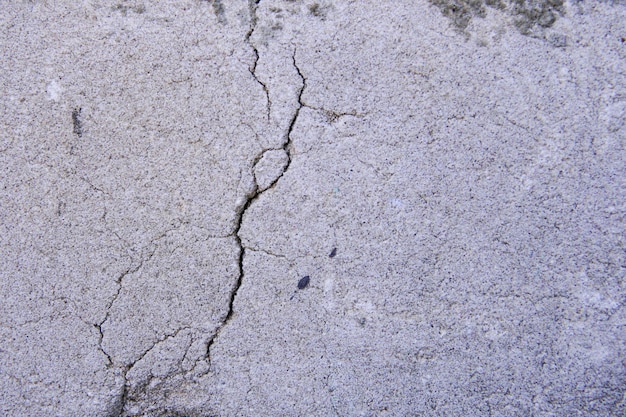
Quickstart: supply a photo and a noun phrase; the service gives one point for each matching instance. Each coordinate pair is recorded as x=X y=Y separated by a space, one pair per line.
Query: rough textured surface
x=169 y=173
x=270 y=167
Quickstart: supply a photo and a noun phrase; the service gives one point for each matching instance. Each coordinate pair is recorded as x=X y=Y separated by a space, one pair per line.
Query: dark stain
x=426 y=354
x=77 y=121
x=60 y=208
x=333 y=253
x=318 y=11
x=304 y=282
x=218 y=9
x=124 y=9
x=530 y=16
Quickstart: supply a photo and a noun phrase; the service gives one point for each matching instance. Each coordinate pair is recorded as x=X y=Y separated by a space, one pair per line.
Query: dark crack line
x=252 y=69
x=250 y=199
x=98 y=326
x=235 y=290
x=124 y=394
x=287 y=146
x=288 y=141
x=252 y=6
x=121 y=403
x=143 y=384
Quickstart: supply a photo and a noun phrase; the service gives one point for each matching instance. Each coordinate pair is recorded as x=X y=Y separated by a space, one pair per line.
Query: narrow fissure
x=122 y=398
x=254 y=195
x=286 y=147
x=119 y=282
x=252 y=6
x=268 y=101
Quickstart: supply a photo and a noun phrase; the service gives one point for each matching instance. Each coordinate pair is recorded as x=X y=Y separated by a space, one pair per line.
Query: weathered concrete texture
x=270 y=167
x=129 y=133
x=170 y=172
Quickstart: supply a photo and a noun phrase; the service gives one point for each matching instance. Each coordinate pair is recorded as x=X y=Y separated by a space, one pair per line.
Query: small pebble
x=333 y=253
x=302 y=284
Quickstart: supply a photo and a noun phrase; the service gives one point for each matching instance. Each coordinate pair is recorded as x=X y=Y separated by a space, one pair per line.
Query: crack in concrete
x=275 y=255
x=120 y=404
x=252 y=6
x=124 y=394
x=136 y=263
x=123 y=397
x=98 y=326
x=149 y=379
x=252 y=70
x=256 y=193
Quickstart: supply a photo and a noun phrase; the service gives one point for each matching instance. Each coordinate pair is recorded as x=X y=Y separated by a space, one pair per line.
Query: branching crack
x=124 y=394
x=150 y=377
x=252 y=6
x=98 y=326
x=252 y=197
x=120 y=403
x=300 y=105
x=138 y=258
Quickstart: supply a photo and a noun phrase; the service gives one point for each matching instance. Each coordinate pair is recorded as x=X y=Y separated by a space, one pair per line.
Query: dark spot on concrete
x=425 y=354
x=304 y=282
x=318 y=11
x=333 y=253
x=530 y=16
x=315 y=9
x=60 y=208
x=557 y=40
x=218 y=9
x=124 y=9
x=77 y=121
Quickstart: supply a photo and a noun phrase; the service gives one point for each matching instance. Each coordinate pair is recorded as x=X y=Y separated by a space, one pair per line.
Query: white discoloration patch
x=54 y=90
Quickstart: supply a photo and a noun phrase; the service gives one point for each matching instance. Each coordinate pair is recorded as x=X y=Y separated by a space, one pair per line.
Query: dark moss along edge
x=529 y=16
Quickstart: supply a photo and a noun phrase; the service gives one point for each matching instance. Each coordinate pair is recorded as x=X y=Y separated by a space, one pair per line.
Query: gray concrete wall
x=450 y=177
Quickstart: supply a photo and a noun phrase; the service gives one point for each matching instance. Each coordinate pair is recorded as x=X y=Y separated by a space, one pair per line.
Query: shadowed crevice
x=251 y=198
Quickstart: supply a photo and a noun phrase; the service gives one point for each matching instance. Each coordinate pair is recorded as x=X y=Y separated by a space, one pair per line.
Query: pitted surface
x=171 y=173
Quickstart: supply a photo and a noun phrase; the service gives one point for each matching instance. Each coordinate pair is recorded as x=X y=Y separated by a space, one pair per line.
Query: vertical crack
x=287 y=146
x=98 y=326
x=252 y=6
x=252 y=69
x=254 y=195
x=118 y=408
x=119 y=282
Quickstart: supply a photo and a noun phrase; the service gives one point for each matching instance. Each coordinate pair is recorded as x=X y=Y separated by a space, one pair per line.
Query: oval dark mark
x=302 y=284
x=333 y=253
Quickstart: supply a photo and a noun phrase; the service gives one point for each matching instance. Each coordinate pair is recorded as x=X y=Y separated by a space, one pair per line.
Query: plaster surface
x=449 y=175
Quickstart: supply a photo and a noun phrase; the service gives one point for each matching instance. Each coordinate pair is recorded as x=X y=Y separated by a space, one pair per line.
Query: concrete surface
x=169 y=172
